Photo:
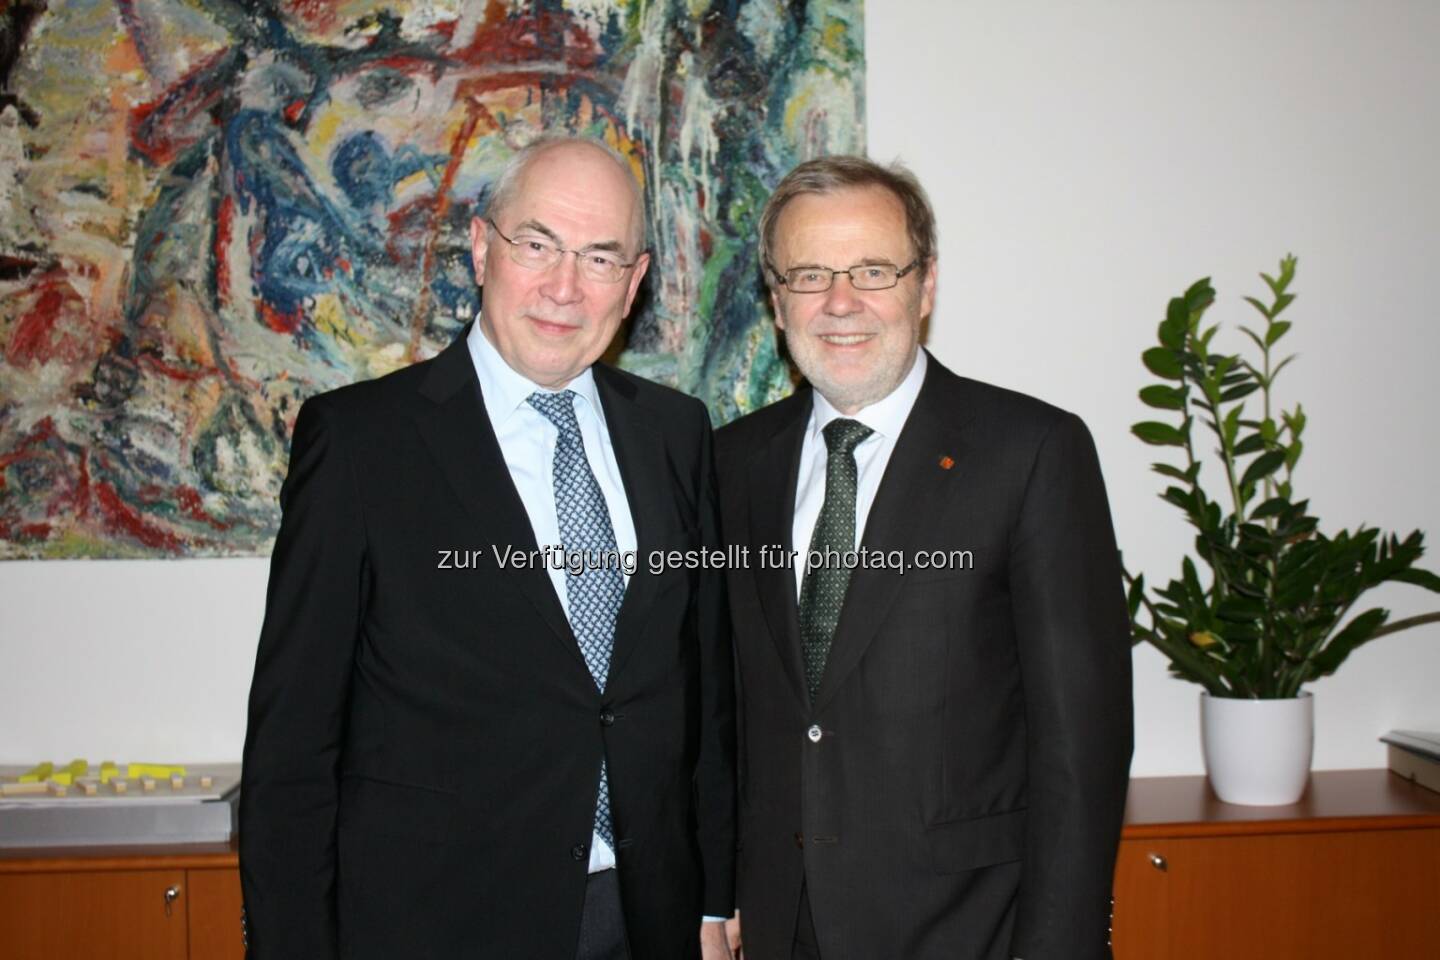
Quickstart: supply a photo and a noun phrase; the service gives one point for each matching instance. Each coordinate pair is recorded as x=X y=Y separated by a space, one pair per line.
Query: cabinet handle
x=1158 y=862
x=171 y=895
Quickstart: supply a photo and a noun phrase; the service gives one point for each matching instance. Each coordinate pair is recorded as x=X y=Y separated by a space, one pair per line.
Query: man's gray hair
x=506 y=185
x=825 y=175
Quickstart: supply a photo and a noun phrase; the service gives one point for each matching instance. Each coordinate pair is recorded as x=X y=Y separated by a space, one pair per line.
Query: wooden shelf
x=1335 y=800
x=131 y=857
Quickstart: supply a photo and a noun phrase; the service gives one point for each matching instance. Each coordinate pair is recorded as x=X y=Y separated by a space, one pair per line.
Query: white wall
x=1088 y=161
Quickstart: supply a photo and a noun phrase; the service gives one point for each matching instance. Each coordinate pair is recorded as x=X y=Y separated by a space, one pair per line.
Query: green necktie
x=822 y=592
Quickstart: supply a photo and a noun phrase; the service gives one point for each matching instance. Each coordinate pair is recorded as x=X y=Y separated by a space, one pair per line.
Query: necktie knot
x=558 y=408
x=842 y=436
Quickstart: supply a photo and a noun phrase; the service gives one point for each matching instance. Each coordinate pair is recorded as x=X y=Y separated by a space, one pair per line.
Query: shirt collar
x=506 y=391
x=885 y=416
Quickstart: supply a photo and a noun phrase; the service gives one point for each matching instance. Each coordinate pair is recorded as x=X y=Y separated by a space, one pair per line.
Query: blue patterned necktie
x=596 y=592
x=822 y=591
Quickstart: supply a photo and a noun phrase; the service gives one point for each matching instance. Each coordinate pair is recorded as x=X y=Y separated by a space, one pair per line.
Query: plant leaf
x=1279 y=327
x=1159 y=434
x=1251 y=444
x=1192 y=583
x=1170 y=335
x=1200 y=295
x=1270 y=508
x=1243 y=390
x=1292 y=454
x=1420 y=578
x=1205 y=338
x=1264 y=310
x=1180 y=497
x=1240 y=609
x=1262 y=466
x=1163 y=397
x=1136 y=594
x=1162 y=362
x=1177 y=321
x=1232 y=426
x=1358 y=631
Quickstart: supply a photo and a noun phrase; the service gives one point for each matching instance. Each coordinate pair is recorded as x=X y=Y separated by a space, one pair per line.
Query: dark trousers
x=806 y=946
x=602 y=924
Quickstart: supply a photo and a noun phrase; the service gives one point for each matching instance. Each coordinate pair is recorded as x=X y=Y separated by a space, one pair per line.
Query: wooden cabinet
x=121 y=903
x=1352 y=870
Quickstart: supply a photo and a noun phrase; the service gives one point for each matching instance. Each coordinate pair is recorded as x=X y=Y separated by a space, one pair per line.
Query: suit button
x=607 y=718
x=800 y=840
x=578 y=851
x=815 y=733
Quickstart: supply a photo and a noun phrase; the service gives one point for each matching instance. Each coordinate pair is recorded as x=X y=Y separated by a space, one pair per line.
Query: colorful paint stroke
x=213 y=209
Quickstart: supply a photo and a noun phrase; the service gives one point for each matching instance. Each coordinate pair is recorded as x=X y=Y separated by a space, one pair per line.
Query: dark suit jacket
x=962 y=795
x=424 y=745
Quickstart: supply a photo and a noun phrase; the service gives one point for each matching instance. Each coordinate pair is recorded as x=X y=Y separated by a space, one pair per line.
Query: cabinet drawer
x=104 y=915
x=1314 y=895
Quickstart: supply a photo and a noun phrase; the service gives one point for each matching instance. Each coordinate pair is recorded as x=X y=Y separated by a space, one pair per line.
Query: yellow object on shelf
x=38 y=773
x=67 y=776
x=159 y=771
x=108 y=771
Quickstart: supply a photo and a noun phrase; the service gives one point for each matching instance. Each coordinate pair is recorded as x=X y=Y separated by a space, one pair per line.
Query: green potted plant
x=1276 y=608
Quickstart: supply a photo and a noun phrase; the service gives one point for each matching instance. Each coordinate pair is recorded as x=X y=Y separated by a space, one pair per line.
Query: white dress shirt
x=886 y=417
x=527 y=441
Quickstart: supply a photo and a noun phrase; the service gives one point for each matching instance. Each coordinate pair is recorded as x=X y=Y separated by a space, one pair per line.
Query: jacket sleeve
x=299 y=697
x=715 y=787
x=1072 y=633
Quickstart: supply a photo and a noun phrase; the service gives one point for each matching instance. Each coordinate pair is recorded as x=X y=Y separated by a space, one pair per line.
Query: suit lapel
x=912 y=491
x=458 y=433
x=640 y=452
x=771 y=482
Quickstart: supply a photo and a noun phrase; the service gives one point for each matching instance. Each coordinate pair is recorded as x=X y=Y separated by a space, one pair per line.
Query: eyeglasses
x=863 y=276
x=538 y=252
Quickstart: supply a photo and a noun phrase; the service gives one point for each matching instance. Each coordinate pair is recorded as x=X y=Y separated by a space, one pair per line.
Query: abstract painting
x=213 y=209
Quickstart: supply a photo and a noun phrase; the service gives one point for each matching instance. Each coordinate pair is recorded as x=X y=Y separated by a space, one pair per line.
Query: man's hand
x=732 y=934
x=713 y=943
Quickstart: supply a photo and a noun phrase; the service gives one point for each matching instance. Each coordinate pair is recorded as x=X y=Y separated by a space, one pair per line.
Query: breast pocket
x=940 y=564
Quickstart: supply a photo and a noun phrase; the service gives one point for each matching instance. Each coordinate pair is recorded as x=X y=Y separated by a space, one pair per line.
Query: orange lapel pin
x=946 y=463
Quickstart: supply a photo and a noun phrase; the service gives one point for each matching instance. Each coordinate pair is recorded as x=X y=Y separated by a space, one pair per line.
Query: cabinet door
x=215 y=914
x=1139 y=923
x=104 y=915
x=1313 y=895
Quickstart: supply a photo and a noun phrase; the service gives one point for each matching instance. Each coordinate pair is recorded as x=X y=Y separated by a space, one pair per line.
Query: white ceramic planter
x=1257 y=752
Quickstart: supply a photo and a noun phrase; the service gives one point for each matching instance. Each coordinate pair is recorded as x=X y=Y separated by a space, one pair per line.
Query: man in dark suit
x=478 y=726
x=935 y=696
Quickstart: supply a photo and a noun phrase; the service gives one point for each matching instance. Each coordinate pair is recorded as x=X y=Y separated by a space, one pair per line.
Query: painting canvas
x=213 y=209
